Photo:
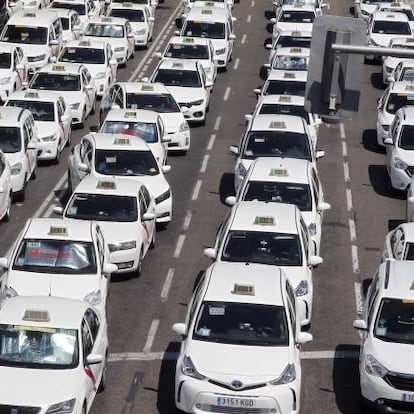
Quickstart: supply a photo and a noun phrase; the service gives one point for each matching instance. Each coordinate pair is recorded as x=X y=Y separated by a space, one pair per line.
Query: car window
x=93 y=323
x=146 y=196
x=142 y=206
x=87 y=341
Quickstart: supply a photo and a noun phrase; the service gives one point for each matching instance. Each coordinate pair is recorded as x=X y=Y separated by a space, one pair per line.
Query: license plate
x=235 y=402
x=407 y=397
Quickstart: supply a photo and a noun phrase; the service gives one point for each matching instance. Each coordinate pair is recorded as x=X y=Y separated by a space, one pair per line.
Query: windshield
x=5 y=60
x=38 y=347
x=242 y=324
x=183 y=78
x=277 y=144
x=125 y=163
x=292 y=41
x=10 y=140
x=278 y=109
x=55 y=256
x=262 y=247
x=133 y=1
x=409 y=251
x=407 y=74
x=131 y=15
x=389 y=27
x=55 y=82
x=181 y=51
x=104 y=30
x=397 y=101
x=146 y=131
x=395 y=321
x=163 y=103
x=375 y=1
x=279 y=192
x=203 y=29
x=42 y=111
x=102 y=207
x=407 y=12
x=85 y=55
x=297 y=17
x=406 y=139
x=65 y=23
x=79 y=8
x=25 y=35
x=306 y=2
x=291 y=63
x=279 y=87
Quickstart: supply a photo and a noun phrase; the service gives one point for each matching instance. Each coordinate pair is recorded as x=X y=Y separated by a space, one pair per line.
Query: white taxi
x=404 y=71
x=189 y=4
x=97 y=56
x=248 y=315
x=399 y=243
x=140 y=123
x=106 y=155
x=366 y=8
x=125 y=211
x=13 y=69
x=56 y=341
x=187 y=82
x=115 y=31
x=150 y=4
x=75 y=82
x=140 y=18
x=409 y=208
x=296 y=16
x=71 y=24
x=86 y=9
x=271 y=234
x=273 y=136
x=153 y=97
x=397 y=6
x=286 y=180
x=387 y=339
x=6 y=192
x=18 y=141
x=397 y=95
x=290 y=59
x=389 y=63
x=52 y=118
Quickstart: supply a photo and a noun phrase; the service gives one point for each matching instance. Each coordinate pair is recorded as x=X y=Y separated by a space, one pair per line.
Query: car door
x=80 y=153
x=149 y=206
x=390 y=148
x=4 y=190
x=65 y=120
x=88 y=89
x=150 y=22
x=100 y=244
x=145 y=230
x=112 y=64
x=162 y=134
x=31 y=153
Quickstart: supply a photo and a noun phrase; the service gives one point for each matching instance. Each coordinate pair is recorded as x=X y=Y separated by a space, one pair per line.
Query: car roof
x=394 y=5
x=58 y=229
x=402 y=87
x=87 y=43
x=188 y=40
x=209 y=14
x=30 y=18
x=265 y=217
x=396 y=278
x=10 y=115
x=6 y=47
x=107 y=20
x=396 y=16
x=288 y=75
x=144 y=87
x=141 y=115
x=103 y=140
x=271 y=122
x=63 y=312
x=69 y=1
x=61 y=68
x=223 y=278
x=35 y=95
x=128 y=6
x=179 y=64
x=293 y=51
x=294 y=100
x=298 y=7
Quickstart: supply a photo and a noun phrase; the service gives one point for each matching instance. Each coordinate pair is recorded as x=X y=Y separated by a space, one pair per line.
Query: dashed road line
x=227 y=94
x=211 y=142
x=179 y=245
x=151 y=336
x=249 y=18
x=167 y=285
x=196 y=191
x=236 y=64
x=217 y=123
x=50 y=196
x=243 y=39
x=203 y=167
x=252 y=4
x=187 y=220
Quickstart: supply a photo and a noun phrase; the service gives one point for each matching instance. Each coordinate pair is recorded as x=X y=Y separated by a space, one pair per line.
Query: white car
x=189 y=4
x=192 y=48
x=404 y=71
x=397 y=95
x=35 y=4
x=250 y=317
x=97 y=56
x=13 y=69
x=187 y=82
x=397 y=7
x=86 y=9
x=115 y=31
x=6 y=192
x=140 y=123
x=286 y=180
x=273 y=136
x=52 y=118
x=389 y=63
x=71 y=24
x=154 y=97
x=409 y=212
x=296 y=16
x=140 y=18
x=150 y=4
x=75 y=82
x=294 y=59
x=56 y=341
x=366 y=8
x=272 y=234
x=125 y=211
x=399 y=243
x=387 y=339
x=106 y=155
x=18 y=141
x=55 y=257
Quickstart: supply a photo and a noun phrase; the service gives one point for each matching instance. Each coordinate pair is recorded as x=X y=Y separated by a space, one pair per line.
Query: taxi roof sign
x=295 y=50
x=264 y=221
x=407 y=300
x=122 y=141
x=127 y=4
x=188 y=39
x=289 y=75
x=243 y=289
x=58 y=231
x=206 y=11
x=177 y=65
x=106 y=185
x=84 y=42
x=147 y=87
x=409 y=88
x=31 y=94
x=106 y=19
x=36 y=315
x=296 y=33
x=58 y=68
x=130 y=114
x=278 y=172
x=29 y=13
x=285 y=98
x=277 y=125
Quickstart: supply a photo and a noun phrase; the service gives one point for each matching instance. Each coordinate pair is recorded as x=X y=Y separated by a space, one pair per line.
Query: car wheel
x=152 y=245
x=57 y=158
x=70 y=189
x=138 y=272
x=102 y=384
x=69 y=140
x=93 y=109
x=84 y=408
x=6 y=216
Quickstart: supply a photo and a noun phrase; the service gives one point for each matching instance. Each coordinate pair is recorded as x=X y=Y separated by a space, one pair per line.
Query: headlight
x=38 y=58
x=94 y=298
x=75 y=106
x=399 y=164
x=62 y=407
x=312 y=229
x=302 y=288
x=162 y=197
x=122 y=246
x=9 y=292
x=189 y=369
x=16 y=168
x=241 y=170
x=199 y=102
x=119 y=49
x=288 y=375
x=140 y=31
x=50 y=138
x=184 y=127
x=4 y=81
x=373 y=367
x=100 y=75
x=221 y=51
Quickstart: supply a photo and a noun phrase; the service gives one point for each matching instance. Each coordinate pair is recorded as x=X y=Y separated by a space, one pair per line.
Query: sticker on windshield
x=33 y=245
x=259 y=140
x=216 y=310
x=71 y=50
x=72 y=210
x=110 y=160
x=204 y=332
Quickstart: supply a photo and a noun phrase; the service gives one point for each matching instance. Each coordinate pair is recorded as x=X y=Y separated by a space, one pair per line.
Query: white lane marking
x=50 y=196
x=359 y=297
x=187 y=220
x=252 y=3
x=145 y=67
x=352 y=230
x=342 y=131
x=172 y=356
x=151 y=336
x=167 y=285
x=196 y=191
x=203 y=167
x=236 y=64
x=249 y=18
x=349 y=202
x=217 y=123
x=155 y=42
x=211 y=142
x=49 y=211
x=227 y=94
x=346 y=172
x=149 y=61
x=179 y=245
x=355 y=261
x=344 y=150
x=243 y=39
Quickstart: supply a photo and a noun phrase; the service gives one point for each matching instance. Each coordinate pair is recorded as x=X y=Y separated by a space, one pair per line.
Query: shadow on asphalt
x=376 y=81
x=365 y=286
x=379 y=179
x=269 y=14
x=226 y=187
x=263 y=73
x=393 y=223
x=369 y=141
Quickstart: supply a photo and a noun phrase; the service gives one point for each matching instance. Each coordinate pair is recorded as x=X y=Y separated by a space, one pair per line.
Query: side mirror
x=248 y=117
x=115 y=106
x=323 y=206
x=320 y=154
x=1 y=189
x=110 y=268
x=234 y=19
x=315 y=260
x=234 y=149
x=58 y=211
x=323 y=5
x=130 y=35
x=257 y=91
x=89 y=87
x=179 y=328
x=148 y=216
x=113 y=62
x=76 y=29
x=158 y=55
x=52 y=59
x=93 y=359
x=166 y=169
x=304 y=338
x=19 y=66
x=166 y=138
x=410 y=200
x=357 y=1
x=151 y=19
x=390 y=79
x=232 y=36
x=360 y=324
x=209 y=84
x=266 y=65
x=273 y=20
x=269 y=46
x=31 y=146
x=184 y=109
x=4 y=262
x=83 y=167
x=210 y=253
x=25 y=84
x=145 y=79
x=388 y=141
x=230 y=201
x=176 y=33
x=54 y=42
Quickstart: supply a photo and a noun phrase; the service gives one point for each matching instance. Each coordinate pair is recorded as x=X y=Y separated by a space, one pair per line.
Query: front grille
x=229 y=387
x=410 y=171
x=13 y=409
x=400 y=381
x=399 y=406
x=234 y=410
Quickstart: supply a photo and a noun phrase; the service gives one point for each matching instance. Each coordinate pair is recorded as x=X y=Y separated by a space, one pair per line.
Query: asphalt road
x=141 y=312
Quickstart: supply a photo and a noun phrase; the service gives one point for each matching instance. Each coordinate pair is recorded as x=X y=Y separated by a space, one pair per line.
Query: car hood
x=139 y=25
x=14 y=158
x=113 y=41
x=295 y=274
x=72 y=97
x=94 y=69
x=5 y=73
x=32 y=50
x=45 y=128
x=172 y=121
x=219 y=43
x=369 y=8
x=405 y=155
x=183 y=94
x=116 y=232
x=299 y=27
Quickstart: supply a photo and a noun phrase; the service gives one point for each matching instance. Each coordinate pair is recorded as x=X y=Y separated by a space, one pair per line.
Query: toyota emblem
x=236 y=384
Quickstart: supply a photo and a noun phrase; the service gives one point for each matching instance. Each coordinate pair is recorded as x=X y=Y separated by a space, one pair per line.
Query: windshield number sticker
x=216 y=310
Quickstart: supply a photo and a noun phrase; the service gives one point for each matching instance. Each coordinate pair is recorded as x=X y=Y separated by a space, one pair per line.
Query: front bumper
x=121 y=57
x=126 y=260
x=102 y=86
x=386 y=73
x=381 y=132
x=141 y=40
x=222 y=60
x=400 y=179
x=47 y=150
x=163 y=211
x=17 y=182
x=195 y=113
x=180 y=141
x=77 y=115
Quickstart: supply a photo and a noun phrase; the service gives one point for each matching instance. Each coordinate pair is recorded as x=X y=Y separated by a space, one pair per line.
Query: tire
x=68 y=142
x=93 y=109
x=70 y=189
x=6 y=216
x=138 y=272
x=57 y=158
x=82 y=124
x=152 y=245
x=102 y=384
x=84 y=408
